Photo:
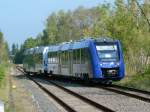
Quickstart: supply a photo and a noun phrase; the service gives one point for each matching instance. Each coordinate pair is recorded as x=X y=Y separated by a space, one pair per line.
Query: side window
x=30 y=60
x=55 y=58
x=52 y=57
x=41 y=57
x=67 y=59
x=49 y=57
x=66 y=56
x=63 y=57
x=37 y=58
x=85 y=56
x=78 y=56
x=74 y=56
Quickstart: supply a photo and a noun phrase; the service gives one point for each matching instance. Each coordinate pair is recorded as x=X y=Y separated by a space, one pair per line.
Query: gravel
x=43 y=102
x=75 y=103
x=117 y=102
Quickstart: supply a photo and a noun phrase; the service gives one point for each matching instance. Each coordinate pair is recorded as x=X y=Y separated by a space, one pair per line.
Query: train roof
x=83 y=43
x=38 y=50
x=104 y=39
x=34 y=50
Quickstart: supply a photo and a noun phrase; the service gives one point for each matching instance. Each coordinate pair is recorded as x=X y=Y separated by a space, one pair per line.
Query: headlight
x=117 y=63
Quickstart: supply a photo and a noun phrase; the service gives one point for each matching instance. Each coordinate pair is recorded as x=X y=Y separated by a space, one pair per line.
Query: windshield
x=107 y=52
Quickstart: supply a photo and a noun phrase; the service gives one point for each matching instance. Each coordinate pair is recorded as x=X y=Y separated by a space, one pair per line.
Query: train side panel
x=75 y=63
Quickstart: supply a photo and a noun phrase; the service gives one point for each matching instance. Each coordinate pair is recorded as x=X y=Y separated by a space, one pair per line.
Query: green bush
x=2 y=72
x=139 y=81
x=147 y=70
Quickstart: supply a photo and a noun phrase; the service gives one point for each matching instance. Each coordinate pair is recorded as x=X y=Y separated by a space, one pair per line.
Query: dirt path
x=19 y=99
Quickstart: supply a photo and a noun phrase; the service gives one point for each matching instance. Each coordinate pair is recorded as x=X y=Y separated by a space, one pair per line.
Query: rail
x=67 y=107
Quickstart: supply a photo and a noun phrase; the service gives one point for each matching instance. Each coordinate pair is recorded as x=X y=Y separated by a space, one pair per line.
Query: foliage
x=126 y=21
x=14 y=49
x=29 y=43
x=140 y=81
x=1 y=72
x=3 y=56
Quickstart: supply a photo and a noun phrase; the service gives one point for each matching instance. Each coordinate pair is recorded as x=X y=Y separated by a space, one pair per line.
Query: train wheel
x=28 y=73
x=51 y=72
x=107 y=83
x=86 y=78
x=34 y=73
x=45 y=72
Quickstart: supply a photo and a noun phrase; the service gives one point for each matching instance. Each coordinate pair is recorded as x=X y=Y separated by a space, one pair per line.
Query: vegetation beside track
x=2 y=72
x=3 y=57
x=4 y=65
x=4 y=86
x=4 y=92
x=139 y=81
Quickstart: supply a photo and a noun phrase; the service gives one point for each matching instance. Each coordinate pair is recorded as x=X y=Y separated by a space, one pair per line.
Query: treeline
x=126 y=21
x=3 y=56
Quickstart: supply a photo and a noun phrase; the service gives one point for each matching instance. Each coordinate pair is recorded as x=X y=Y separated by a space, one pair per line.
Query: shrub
x=2 y=73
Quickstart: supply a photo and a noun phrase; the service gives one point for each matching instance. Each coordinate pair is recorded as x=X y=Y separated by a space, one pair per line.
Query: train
x=96 y=59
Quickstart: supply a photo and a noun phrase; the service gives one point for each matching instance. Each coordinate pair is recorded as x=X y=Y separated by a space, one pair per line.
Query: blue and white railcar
x=96 y=59
x=34 y=60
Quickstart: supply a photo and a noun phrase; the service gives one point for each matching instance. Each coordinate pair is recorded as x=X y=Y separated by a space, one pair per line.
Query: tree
x=50 y=33
x=14 y=49
x=3 y=56
x=29 y=43
x=3 y=49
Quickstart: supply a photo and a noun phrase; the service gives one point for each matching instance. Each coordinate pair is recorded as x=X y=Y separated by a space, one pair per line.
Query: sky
x=20 y=19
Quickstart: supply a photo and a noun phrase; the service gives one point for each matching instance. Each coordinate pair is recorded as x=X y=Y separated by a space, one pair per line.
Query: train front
x=110 y=59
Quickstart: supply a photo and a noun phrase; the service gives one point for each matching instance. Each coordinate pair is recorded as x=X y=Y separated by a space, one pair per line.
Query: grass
x=2 y=73
x=17 y=99
x=138 y=81
x=4 y=93
x=4 y=86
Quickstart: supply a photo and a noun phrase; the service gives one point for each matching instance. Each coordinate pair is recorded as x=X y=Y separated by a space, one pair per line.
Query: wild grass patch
x=139 y=81
x=4 y=86
x=2 y=73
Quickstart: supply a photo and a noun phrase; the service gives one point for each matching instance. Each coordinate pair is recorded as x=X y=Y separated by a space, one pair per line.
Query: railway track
x=134 y=93
x=94 y=105
x=131 y=89
x=66 y=106
x=96 y=95
x=130 y=92
x=126 y=91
